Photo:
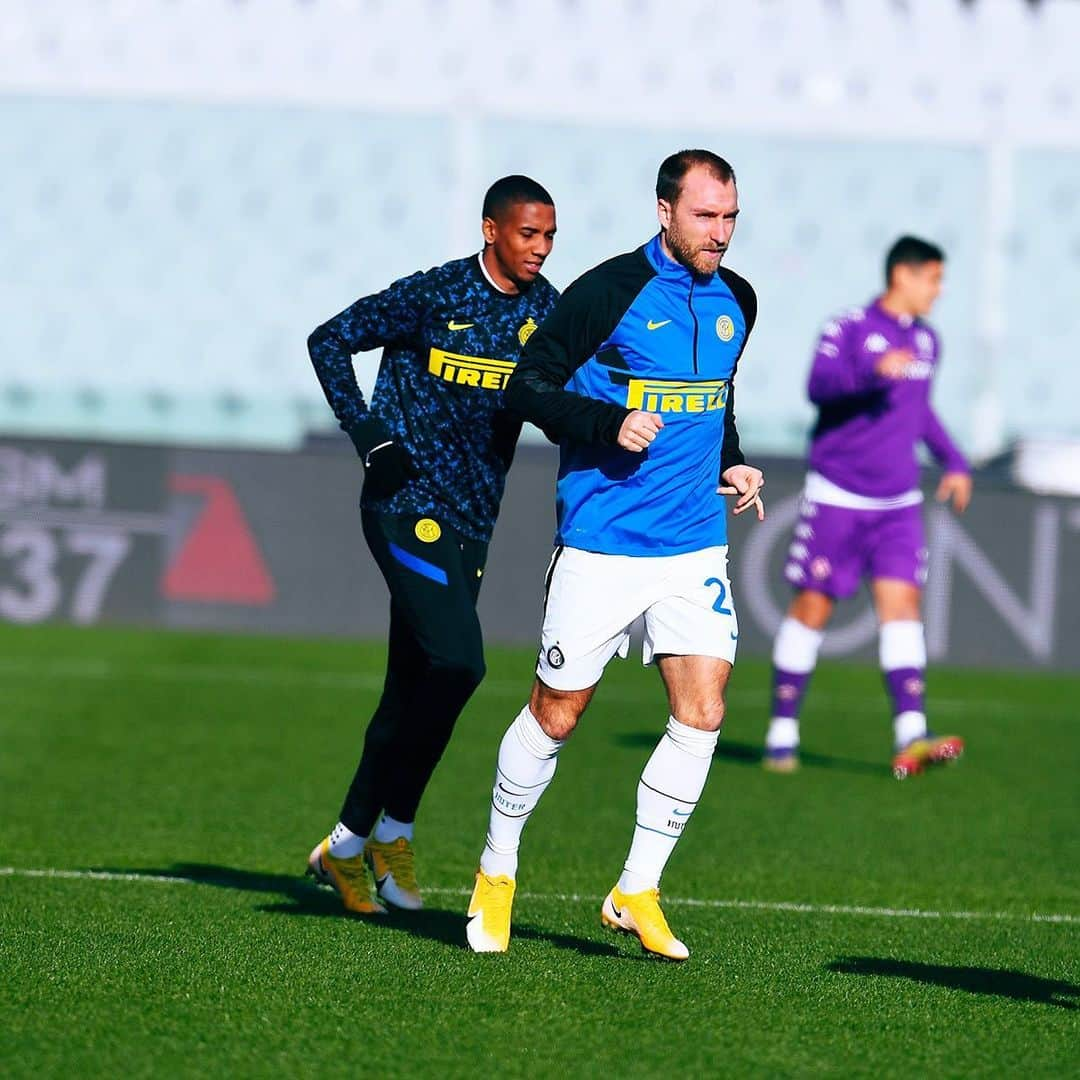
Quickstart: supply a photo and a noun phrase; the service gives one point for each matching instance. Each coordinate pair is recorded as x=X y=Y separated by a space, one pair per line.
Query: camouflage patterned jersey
x=450 y=340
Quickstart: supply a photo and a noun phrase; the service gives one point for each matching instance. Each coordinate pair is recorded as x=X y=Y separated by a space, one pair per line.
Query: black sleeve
x=581 y=321
x=389 y=316
x=731 y=453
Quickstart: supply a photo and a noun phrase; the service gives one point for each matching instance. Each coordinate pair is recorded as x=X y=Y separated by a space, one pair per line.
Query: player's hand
x=638 y=430
x=746 y=482
x=957 y=487
x=894 y=364
x=387 y=469
x=387 y=464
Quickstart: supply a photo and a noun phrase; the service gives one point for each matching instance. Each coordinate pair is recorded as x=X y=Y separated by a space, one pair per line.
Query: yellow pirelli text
x=477 y=371
x=673 y=396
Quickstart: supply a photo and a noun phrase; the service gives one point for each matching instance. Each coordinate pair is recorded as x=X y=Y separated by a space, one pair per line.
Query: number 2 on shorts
x=718 y=603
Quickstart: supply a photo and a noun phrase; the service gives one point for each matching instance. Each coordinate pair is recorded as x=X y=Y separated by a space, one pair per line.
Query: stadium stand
x=189 y=198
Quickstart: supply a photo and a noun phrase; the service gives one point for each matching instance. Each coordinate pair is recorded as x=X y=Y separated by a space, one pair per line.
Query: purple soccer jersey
x=868 y=426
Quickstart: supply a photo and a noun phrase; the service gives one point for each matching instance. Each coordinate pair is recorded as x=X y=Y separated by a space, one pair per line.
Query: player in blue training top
x=634 y=374
x=436 y=443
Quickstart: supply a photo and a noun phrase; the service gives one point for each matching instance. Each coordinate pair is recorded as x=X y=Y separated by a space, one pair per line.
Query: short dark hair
x=672 y=170
x=911 y=251
x=511 y=190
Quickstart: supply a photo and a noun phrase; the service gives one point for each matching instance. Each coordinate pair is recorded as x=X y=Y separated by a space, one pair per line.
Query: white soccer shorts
x=593 y=601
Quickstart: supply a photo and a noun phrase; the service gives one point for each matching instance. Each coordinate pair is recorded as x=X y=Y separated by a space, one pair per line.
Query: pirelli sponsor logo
x=476 y=371
x=675 y=396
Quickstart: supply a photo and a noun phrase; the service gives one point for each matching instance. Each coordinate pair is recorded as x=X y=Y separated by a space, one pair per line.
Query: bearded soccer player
x=633 y=373
x=861 y=515
x=436 y=444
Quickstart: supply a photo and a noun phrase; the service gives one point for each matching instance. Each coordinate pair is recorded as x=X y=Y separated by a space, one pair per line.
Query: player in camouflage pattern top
x=436 y=443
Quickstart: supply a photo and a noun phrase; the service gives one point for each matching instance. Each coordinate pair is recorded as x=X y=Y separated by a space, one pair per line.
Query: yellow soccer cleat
x=920 y=754
x=394 y=868
x=348 y=877
x=640 y=914
x=488 y=928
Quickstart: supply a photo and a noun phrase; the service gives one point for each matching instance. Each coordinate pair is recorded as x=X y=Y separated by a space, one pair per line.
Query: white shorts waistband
x=819 y=490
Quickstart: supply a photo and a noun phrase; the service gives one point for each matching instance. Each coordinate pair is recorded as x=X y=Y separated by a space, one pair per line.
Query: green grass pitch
x=217 y=762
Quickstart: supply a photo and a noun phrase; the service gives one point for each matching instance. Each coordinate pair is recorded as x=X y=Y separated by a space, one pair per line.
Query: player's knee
x=556 y=712
x=380 y=734
x=812 y=609
x=706 y=715
x=557 y=723
x=462 y=672
x=899 y=607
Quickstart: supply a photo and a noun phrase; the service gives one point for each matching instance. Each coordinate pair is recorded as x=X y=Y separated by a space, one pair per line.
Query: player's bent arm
x=537 y=395
x=940 y=444
x=840 y=368
x=955 y=484
x=730 y=451
x=582 y=319
x=381 y=319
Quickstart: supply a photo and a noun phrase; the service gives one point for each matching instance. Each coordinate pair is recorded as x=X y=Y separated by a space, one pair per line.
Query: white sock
x=389 y=829
x=796 y=647
x=902 y=644
x=783 y=733
x=344 y=843
x=907 y=727
x=795 y=652
x=526 y=765
x=667 y=793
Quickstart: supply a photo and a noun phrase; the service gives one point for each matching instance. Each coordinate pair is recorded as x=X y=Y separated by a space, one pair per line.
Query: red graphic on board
x=219 y=561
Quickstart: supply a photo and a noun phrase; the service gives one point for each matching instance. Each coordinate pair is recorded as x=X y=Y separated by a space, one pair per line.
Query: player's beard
x=692 y=256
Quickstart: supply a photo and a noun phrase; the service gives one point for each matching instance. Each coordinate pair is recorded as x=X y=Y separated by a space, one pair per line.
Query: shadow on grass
x=302 y=897
x=750 y=754
x=974 y=980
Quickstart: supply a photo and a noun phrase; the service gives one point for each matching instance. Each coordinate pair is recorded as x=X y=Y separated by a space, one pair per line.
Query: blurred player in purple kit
x=861 y=514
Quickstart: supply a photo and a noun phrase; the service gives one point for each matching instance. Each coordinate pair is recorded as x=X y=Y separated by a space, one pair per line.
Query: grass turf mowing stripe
x=575 y=898
x=350 y=680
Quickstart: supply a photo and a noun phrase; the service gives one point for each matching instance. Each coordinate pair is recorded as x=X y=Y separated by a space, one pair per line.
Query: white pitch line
x=92 y=875
x=581 y=898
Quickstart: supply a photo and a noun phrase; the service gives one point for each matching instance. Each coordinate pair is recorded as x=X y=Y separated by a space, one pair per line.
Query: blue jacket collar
x=662 y=264
x=668 y=268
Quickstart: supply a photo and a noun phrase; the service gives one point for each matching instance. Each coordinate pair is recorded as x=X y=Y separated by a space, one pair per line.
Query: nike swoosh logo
x=451 y=325
x=650 y=325
x=679 y=813
x=618 y=913
x=734 y=637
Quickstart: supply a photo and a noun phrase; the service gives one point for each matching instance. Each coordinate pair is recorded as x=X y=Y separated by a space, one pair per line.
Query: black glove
x=387 y=464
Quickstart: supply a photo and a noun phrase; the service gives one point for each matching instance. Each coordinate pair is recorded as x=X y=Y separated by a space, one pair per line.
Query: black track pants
x=435 y=661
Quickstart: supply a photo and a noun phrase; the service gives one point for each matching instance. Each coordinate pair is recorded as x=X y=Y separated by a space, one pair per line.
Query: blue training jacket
x=639 y=331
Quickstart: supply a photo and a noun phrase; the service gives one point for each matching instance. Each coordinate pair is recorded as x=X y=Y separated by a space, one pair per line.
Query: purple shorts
x=834 y=548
